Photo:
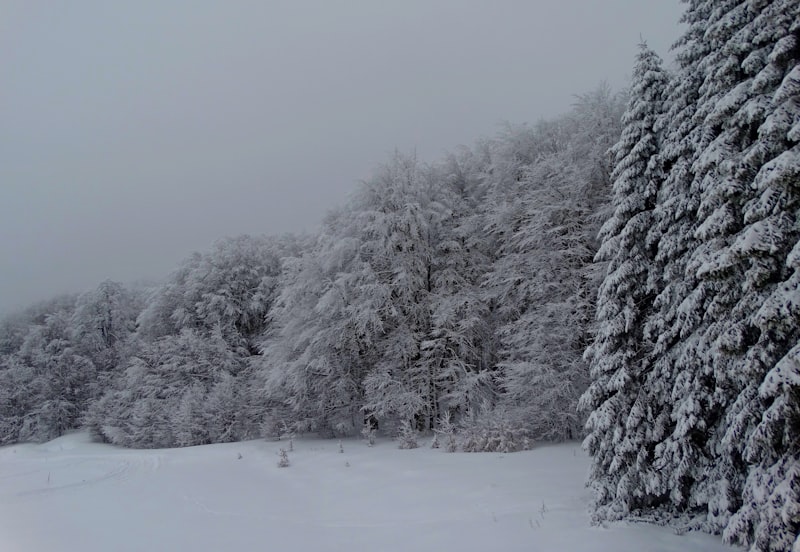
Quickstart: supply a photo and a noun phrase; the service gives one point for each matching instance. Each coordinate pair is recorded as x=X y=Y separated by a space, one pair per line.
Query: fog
x=132 y=134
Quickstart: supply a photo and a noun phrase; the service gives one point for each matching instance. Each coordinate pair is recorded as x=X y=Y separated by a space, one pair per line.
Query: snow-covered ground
x=74 y=495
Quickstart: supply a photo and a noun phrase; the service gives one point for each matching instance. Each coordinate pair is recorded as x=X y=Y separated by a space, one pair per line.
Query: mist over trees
x=628 y=272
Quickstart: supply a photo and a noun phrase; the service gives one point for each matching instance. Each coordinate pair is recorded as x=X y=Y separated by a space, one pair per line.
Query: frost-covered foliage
x=445 y=434
x=369 y=433
x=283 y=459
x=381 y=321
x=442 y=286
x=620 y=355
x=102 y=326
x=169 y=369
x=495 y=430
x=697 y=416
x=58 y=358
x=229 y=289
x=313 y=359
x=464 y=293
x=550 y=183
x=176 y=391
x=187 y=379
x=407 y=436
x=439 y=287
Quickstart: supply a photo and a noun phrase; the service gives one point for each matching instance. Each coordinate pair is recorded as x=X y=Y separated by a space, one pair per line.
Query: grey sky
x=132 y=133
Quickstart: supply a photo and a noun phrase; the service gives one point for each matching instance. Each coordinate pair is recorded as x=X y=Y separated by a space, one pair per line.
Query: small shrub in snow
x=407 y=438
x=446 y=433
x=368 y=433
x=283 y=460
x=493 y=431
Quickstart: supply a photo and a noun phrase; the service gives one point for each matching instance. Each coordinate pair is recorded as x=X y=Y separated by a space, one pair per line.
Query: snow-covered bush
x=283 y=459
x=445 y=433
x=368 y=433
x=407 y=437
x=494 y=431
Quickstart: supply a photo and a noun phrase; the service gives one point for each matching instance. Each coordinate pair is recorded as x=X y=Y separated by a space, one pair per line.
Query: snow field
x=74 y=495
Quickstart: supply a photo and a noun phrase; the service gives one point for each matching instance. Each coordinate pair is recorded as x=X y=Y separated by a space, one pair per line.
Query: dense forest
x=627 y=273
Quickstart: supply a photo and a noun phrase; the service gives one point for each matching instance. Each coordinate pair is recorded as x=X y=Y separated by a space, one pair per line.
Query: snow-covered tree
x=618 y=436
x=761 y=335
x=231 y=288
x=382 y=319
x=196 y=340
x=543 y=220
x=102 y=326
x=56 y=378
x=24 y=376
x=407 y=436
x=459 y=347
x=58 y=357
x=176 y=391
x=445 y=435
x=316 y=356
x=720 y=396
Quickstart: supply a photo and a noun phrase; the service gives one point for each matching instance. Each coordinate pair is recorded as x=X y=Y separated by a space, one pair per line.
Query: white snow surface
x=74 y=495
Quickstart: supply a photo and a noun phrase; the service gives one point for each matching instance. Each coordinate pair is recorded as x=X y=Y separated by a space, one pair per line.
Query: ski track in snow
x=74 y=473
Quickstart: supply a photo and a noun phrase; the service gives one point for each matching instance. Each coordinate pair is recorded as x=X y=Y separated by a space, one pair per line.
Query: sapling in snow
x=407 y=438
x=287 y=432
x=368 y=433
x=283 y=459
x=447 y=431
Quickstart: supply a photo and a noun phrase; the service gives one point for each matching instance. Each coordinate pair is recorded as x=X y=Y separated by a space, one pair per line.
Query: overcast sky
x=133 y=133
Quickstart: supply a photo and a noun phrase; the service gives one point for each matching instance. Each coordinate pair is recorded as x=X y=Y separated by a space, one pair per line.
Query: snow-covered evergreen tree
x=742 y=239
x=761 y=337
x=618 y=436
x=723 y=324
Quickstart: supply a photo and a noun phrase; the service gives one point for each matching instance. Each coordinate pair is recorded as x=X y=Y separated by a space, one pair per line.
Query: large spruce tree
x=619 y=358
x=723 y=323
